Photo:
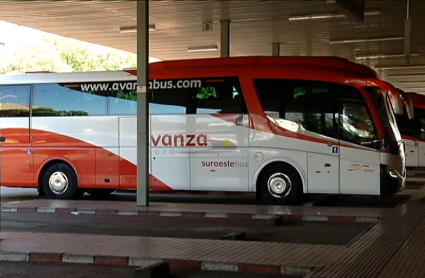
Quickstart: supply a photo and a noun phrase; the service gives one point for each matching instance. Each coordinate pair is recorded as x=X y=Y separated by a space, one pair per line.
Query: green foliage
x=206 y=92
x=130 y=95
x=59 y=54
x=14 y=113
x=45 y=111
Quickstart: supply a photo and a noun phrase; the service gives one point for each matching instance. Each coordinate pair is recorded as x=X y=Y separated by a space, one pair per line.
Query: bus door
x=16 y=152
x=359 y=150
x=220 y=133
x=319 y=115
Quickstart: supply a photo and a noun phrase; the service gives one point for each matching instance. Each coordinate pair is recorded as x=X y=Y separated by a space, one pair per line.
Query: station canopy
x=191 y=29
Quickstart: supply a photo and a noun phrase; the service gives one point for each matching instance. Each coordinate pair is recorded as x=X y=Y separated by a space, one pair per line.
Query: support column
x=142 y=103
x=276 y=49
x=225 y=38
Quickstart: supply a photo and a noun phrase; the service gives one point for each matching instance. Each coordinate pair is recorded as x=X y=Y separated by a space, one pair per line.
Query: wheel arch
x=51 y=161
x=274 y=161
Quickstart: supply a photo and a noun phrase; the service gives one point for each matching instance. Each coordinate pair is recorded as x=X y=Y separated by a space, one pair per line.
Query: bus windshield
x=385 y=111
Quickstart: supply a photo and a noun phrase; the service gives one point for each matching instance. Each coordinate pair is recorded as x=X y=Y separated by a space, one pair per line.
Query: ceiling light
x=330 y=15
x=133 y=29
x=407 y=88
x=411 y=82
x=202 y=48
x=377 y=67
x=407 y=75
x=376 y=56
x=366 y=40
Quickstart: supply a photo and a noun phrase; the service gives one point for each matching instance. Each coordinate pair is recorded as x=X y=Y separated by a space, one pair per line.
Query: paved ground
x=301 y=232
x=63 y=270
x=392 y=247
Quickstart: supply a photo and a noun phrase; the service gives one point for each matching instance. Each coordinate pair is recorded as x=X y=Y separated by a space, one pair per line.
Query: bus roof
x=305 y=61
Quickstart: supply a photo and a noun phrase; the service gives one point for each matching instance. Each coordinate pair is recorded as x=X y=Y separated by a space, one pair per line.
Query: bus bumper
x=391 y=180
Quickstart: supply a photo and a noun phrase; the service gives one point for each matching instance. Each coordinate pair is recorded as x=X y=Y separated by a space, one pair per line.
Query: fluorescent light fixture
x=411 y=82
x=202 y=48
x=407 y=75
x=366 y=40
x=377 y=56
x=133 y=29
x=330 y=15
x=406 y=88
x=377 y=67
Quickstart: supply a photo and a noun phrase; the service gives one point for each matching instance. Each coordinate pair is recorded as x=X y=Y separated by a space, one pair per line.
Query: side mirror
x=396 y=102
x=409 y=108
x=393 y=94
x=407 y=102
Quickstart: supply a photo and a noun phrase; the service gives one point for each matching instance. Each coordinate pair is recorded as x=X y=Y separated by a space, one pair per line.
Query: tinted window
x=218 y=96
x=122 y=98
x=410 y=127
x=14 y=101
x=67 y=100
x=311 y=104
x=174 y=96
x=200 y=96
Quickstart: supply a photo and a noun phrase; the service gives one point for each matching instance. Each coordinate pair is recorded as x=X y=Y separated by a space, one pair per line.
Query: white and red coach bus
x=277 y=126
x=413 y=129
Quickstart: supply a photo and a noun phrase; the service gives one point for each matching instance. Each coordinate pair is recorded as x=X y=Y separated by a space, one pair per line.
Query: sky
x=13 y=36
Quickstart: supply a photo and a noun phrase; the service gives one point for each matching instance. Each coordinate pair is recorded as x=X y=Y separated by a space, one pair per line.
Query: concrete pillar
x=225 y=38
x=276 y=49
x=142 y=103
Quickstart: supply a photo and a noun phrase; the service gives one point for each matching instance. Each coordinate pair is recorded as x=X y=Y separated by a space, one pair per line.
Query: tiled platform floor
x=307 y=213
x=392 y=248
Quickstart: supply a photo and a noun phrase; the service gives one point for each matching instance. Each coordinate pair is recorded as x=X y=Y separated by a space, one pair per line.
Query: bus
x=279 y=127
x=412 y=129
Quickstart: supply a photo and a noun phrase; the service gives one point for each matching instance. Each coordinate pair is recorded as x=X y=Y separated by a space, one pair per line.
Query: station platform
x=393 y=247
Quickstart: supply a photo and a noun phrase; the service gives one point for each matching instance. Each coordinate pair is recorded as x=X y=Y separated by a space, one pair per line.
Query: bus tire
x=60 y=182
x=280 y=183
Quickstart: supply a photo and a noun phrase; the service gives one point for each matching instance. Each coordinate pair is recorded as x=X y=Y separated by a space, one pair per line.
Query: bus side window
x=270 y=95
x=14 y=101
x=168 y=101
x=411 y=127
x=219 y=97
x=122 y=102
x=69 y=99
x=420 y=118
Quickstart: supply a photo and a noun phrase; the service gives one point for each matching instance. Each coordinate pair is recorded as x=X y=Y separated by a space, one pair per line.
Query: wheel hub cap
x=279 y=185
x=58 y=182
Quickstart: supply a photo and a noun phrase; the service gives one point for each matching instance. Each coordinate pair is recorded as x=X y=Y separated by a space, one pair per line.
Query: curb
x=415 y=174
x=146 y=262
x=277 y=218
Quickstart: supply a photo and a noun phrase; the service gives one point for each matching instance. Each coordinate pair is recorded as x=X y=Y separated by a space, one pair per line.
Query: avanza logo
x=180 y=140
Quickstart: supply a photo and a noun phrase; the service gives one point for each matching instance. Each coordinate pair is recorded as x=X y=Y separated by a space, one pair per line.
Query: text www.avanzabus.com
x=153 y=85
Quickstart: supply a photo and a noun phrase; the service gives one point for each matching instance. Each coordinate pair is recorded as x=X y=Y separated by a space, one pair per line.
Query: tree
x=36 y=58
x=83 y=56
x=60 y=54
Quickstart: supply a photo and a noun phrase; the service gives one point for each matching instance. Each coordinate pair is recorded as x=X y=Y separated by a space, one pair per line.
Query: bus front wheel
x=280 y=183
x=60 y=182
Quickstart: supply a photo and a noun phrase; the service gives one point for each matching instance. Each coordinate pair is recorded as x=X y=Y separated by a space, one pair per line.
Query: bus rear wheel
x=280 y=184
x=60 y=182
